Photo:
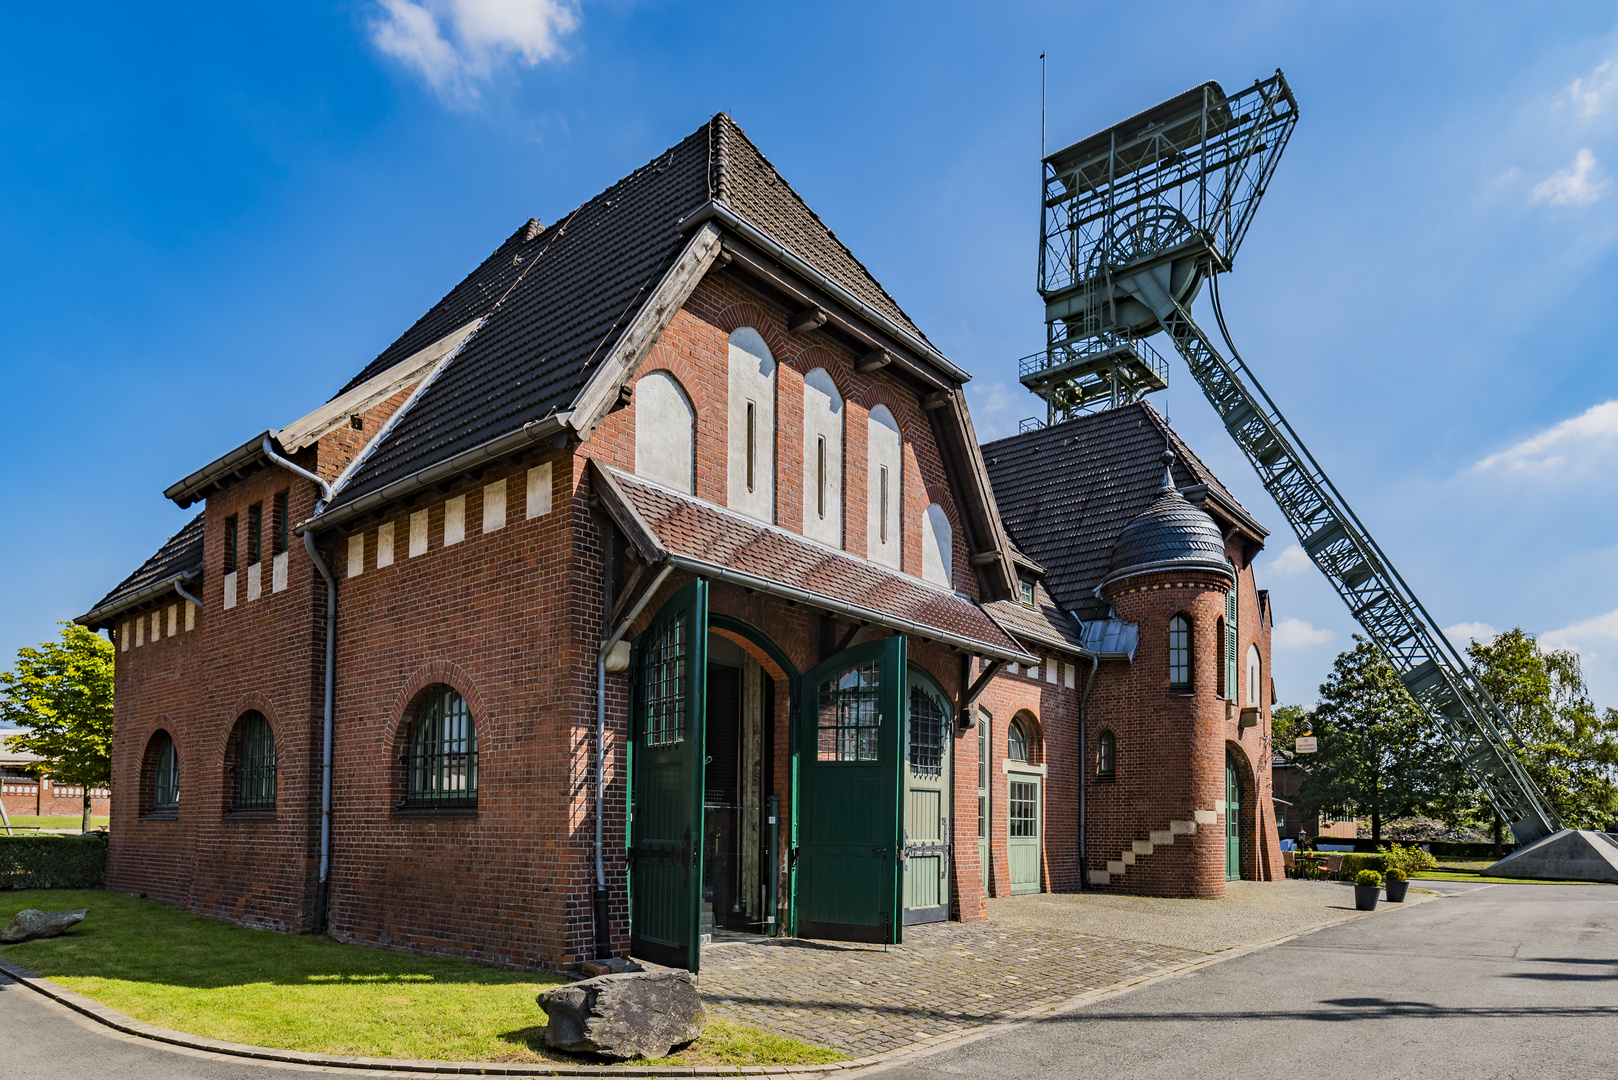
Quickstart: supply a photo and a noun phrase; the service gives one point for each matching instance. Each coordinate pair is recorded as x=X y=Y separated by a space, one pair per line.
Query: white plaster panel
x=356 y=554
x=384 y=545
x=752 y=380
x=665 y=432
x=140 y=631
x=1050 y=671
x=174 y=619
x=454 y=520
x=157 y=624
x=1069 y=674
x=494 y=506
x=418 y=533
x=123 y=637
x=230 y=590
x=1254 y=683
x=1033 y=671
x=885 y=454
x=823 y=415
x=278 y=572
x=255 y=581
x=539 y=490
x=190 y=616
x=937 y=546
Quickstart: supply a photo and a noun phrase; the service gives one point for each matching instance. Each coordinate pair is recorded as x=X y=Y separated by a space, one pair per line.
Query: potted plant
x=1367 y=887
x=1396 y=882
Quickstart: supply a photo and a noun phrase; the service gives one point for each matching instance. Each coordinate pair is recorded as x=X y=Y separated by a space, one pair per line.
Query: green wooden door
x=849 y=790
x=666 y=776
x=926 y=803
x=985 y=727
x=1233 y=821
x=1022 y=831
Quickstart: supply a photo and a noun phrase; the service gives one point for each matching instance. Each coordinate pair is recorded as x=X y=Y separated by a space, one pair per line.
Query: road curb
x=128 y=1025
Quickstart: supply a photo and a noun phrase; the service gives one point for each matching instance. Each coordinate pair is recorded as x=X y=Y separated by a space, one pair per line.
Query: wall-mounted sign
x=1304 y=744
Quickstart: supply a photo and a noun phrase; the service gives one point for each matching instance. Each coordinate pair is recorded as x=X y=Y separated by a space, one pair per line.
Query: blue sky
x=213 y=215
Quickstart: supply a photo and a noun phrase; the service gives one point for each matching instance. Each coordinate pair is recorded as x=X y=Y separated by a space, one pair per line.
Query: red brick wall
x=30 y=797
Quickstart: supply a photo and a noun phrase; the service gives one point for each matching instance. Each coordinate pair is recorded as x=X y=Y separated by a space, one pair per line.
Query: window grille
x=230 y=544
x=1024 y=808
x=1107 y=754
x=255 y=764
x=849 y=714
x=927 y=723
x=166 y=780
x=444 y=752
x=663 y=686
x=1017 y=742
x=255 y=527
x=1179 y=653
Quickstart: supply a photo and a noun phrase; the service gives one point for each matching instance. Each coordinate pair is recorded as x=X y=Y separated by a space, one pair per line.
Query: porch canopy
x=718 y=544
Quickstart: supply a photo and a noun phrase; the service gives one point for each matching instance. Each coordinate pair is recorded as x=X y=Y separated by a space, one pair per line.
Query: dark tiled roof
x=1168 y=533
x=1043 y=624
x=1066 y=491
x=182 y=552
x=717 y=537
x=579 y=285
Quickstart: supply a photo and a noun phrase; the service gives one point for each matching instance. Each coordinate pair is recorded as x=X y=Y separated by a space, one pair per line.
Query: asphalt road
x=1494 y=981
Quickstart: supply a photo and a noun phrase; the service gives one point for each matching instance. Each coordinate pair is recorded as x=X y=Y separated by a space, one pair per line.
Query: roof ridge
x=719 y=157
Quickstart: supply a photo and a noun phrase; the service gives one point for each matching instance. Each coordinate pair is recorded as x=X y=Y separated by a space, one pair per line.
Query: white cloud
x=1297 y=634
x=1601 y=628
x=1593 y=93
x=1580 y=184
x=1570 y=446
x=456 y=44
x=1463 y=634
x=1290 y=563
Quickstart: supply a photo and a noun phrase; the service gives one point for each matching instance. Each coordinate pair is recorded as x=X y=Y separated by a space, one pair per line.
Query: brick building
x=27 y=791
x=653 y=586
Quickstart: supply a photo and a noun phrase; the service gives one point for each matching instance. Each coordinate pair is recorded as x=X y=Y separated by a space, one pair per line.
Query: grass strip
x=54 y=821
x=204 y=977
x=1440 y=875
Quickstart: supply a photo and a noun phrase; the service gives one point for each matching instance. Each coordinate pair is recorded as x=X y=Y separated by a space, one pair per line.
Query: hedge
x=1354 y=862
x=53 y=862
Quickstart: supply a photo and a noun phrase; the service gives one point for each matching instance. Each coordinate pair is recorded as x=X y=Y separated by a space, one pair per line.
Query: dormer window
x=1025 y=593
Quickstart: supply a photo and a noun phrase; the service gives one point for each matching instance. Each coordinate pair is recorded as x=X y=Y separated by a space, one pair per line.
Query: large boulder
x=31 y=923
x=621 y=1016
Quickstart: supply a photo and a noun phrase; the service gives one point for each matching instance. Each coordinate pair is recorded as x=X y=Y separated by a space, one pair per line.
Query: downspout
x=1084 y=771
x=602 y=930
x=185 y=594
x=322 y=887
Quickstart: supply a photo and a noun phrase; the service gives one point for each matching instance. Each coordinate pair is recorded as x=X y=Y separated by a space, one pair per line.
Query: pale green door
x=1022 y=831
x=927 y=802
x=985 y=723
x=1233 y=821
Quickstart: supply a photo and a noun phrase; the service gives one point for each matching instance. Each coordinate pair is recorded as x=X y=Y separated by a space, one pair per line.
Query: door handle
x=879 y=851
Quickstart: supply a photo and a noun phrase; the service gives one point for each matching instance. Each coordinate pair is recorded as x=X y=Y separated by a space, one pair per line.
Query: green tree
x=1569 y=748
x=60 y=695
x=1377 y=751
x=1287 y=722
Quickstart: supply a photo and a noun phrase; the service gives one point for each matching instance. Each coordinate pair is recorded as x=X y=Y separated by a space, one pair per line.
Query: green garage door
x=849 y=791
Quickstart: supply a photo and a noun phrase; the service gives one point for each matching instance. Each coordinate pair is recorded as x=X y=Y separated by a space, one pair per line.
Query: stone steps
x=1140 y=849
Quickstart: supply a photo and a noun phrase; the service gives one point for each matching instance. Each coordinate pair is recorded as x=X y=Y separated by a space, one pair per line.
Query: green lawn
x=211 y=978
x=57 y=821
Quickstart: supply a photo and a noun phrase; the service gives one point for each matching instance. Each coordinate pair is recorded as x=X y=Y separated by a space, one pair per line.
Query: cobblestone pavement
x=1032 y=951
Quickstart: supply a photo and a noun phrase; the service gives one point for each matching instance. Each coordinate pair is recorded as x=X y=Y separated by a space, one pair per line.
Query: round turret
x=1171 y=534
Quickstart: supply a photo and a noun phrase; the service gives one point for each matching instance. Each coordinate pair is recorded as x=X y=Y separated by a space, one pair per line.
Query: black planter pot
x=1396 y=891
x=1365 y=896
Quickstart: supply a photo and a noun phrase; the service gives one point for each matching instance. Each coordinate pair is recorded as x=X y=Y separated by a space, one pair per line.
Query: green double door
x=1233 y=820
x=849 y=757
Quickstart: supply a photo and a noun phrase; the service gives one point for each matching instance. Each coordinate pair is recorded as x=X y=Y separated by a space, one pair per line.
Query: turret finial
x=1167 y=458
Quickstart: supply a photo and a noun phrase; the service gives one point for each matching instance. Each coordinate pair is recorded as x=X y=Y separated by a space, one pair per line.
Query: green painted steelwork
x=850 y=764
x=670 y=669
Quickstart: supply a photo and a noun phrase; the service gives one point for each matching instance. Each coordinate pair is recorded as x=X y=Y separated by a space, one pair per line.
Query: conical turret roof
x=1170 y=534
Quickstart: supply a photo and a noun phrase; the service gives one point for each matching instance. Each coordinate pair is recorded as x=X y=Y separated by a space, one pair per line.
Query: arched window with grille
x=1106 y=756
x=160 y=782
x=1180 y=654
x=252 y=763
x=443 y=758
x=1019 y=743
x=929 y=723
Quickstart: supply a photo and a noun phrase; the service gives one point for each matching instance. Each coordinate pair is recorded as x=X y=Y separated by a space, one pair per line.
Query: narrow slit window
x=752 y=444
x=820 y=475
x=255 y=527
x=1106 y=755
x=883 y=479
x=1179 y=654
x=278 y=535
x=230 y=544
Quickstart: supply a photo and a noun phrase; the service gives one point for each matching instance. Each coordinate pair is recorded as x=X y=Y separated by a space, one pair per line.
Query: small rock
x=32 y=924
x=615 y=965
x=621 y=1016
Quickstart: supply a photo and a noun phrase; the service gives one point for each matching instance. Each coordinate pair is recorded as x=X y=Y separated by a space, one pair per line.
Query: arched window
x=1019 y=746
x=937 y=547
x=1180 y=654
x=929 y=721
x=1106 y=756
x=665 y=432
x=751 y=469
x=822 y=459
x=443 y=761
x=884 y=457
x=253 y=762
x=1253 y=676
x=160 y=794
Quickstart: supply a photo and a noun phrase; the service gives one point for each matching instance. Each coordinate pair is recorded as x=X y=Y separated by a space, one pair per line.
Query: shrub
x=1354 y=863
x=1396 y=874
x=1410 y=859
x=1368 y=877
x=53 y=862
